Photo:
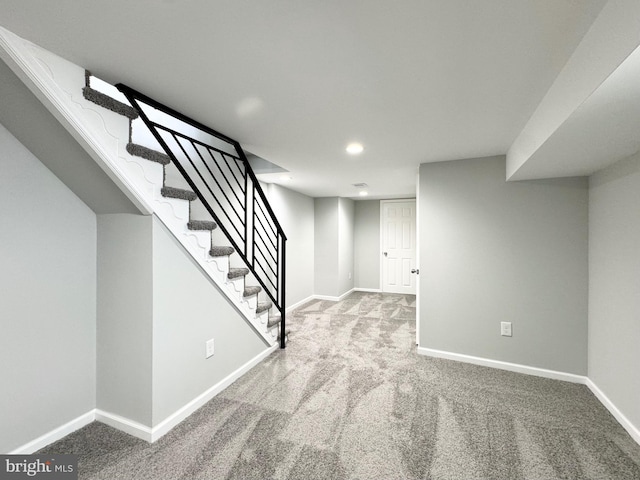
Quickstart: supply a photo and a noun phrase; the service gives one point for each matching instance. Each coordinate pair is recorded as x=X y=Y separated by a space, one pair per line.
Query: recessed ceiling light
x=364 y=193
x=249 y=107
x=354 y=148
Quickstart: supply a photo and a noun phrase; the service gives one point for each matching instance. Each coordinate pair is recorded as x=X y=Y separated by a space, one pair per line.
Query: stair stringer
x=58 y=84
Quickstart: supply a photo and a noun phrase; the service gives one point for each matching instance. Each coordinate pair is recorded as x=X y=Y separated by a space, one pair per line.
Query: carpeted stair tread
x=273 y=322
x=109 y=103
x=253 y=290
x=263 y=307
x=172 y=192
x=202 y=225
x=148 y=153
x=237 y=272
x=221 y=251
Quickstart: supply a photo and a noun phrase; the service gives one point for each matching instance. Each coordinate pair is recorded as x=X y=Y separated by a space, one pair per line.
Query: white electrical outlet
x=505 y=329
x=210 y=348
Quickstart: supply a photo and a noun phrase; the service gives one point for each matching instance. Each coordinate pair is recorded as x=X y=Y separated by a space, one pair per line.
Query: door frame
x=396 y=200
x=418 y=258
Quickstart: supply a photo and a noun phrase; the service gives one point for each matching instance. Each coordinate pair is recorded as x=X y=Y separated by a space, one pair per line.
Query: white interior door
x=398 y=240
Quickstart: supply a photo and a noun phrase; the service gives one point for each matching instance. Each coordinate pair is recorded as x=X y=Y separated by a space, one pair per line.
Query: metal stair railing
x=217 y=170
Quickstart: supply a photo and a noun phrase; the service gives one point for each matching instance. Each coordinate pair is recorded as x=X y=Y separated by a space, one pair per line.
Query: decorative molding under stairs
x=103 y=126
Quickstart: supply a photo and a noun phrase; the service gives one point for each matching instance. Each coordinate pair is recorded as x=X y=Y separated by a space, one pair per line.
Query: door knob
x=384 y=253
x=416 y=271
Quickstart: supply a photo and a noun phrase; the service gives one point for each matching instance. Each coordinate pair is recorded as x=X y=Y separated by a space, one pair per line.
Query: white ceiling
x=294 y=81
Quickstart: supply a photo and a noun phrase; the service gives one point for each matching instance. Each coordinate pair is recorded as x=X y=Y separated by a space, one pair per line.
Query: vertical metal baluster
x=253 y=224
x=246 y=210
x=283 y=265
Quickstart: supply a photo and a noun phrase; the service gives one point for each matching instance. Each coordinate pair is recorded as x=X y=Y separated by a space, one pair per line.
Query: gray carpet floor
x=350 y=398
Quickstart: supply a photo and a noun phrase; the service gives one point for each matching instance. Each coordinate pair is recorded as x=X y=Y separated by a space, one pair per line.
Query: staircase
x=226 y=206
x=196 y=181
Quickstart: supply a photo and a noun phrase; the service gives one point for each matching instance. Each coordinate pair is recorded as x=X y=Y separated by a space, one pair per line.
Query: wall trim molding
x=346 y=294
x=174 y=419
x=291 y=308
x=124 y=424
x=152 y=434
x=55 y=434
x=326 y=297
x=618 y=415
x=512 y=367
x=332 y=298
x=631 y=429
x=137 y=429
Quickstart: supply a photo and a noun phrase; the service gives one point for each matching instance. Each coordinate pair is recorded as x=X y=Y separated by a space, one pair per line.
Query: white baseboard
x=135 y=428
x=346 y=294
x=124 y=424
x=151 y=435
x=341 y=297
x=326 y=297
x=334 y=299
x=512 y=367
x=633 y=431
x=168 y=423
x=619 y=416
x=291 y=308
x=55 y=434
x=330 y=298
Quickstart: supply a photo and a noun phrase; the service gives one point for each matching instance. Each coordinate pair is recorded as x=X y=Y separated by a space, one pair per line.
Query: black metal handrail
x=227 y=186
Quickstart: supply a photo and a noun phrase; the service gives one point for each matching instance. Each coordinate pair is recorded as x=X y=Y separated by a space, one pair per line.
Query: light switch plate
x=505 y=329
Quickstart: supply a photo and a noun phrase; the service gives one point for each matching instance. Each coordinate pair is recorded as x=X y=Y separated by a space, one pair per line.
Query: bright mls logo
x=50 y=467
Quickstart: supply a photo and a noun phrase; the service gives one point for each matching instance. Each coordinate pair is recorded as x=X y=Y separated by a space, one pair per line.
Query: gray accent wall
x=614 y=285
x=346 y=223
x=188 y=310
x=48 y=292
x=334 y=252
x=156 y=310
x=295 y=213
x=367 y=244
x=326 y=246
x=494 y=251
x=125 y=316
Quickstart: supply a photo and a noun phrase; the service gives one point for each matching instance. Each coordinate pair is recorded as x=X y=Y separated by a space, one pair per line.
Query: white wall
x=188 y=310
x=48 y=292
x=295 y=212
x=614 y=285
x=125 y=316
x=367 y=244
x=334 y=254
x=326 y=246
x=346 y=223
x=494 y=251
